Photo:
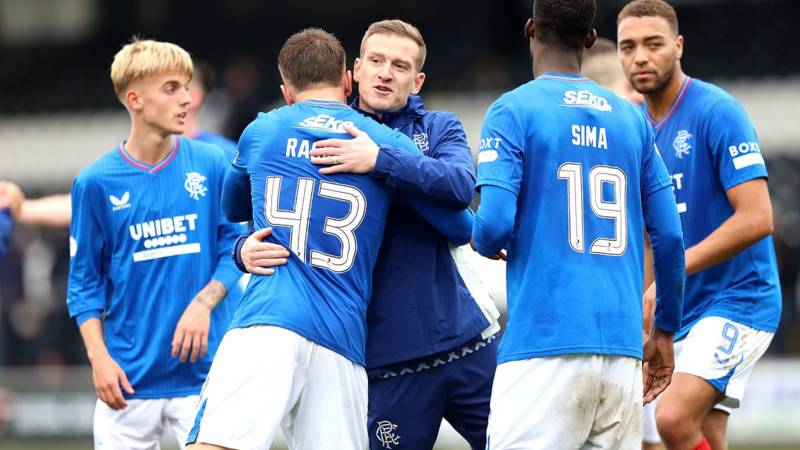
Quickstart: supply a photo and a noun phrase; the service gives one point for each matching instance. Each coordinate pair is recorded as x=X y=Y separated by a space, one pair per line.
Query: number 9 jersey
x=581 y=162
x=332 y=225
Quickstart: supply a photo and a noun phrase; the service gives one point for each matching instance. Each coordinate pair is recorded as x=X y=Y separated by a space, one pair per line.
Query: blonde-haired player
x=149 y=256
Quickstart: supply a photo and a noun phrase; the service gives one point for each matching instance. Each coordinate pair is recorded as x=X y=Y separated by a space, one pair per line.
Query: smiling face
x=650 y=52
x=387 y=72
x=161 y=102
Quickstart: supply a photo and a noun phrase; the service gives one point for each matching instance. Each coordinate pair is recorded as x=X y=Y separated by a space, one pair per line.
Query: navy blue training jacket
x=420 y=305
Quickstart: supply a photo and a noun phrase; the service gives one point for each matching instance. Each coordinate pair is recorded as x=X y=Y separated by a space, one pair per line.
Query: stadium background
x=58 y=113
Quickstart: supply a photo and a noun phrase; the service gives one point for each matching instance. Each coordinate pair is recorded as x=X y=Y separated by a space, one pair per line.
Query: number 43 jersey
x=580 y=161
x=332 y=224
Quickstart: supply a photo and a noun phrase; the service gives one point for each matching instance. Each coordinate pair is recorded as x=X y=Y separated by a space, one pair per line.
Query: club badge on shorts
x=386 y=434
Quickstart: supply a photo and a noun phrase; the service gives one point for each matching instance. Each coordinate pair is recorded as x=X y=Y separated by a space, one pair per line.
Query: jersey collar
x=564 y=77
x=325 y=103
x=176 y=143
x=678 y=99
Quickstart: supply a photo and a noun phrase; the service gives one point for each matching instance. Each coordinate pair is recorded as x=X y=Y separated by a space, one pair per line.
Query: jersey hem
x=168 y=394
x=637 y=354
x=441 y=347
x=302 y=332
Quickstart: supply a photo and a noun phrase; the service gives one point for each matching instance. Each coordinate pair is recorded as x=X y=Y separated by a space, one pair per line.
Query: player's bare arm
x=109 y=379
x=259 y=257
x=357 y=155
x=11 y=197
x=191 y=335
x=750 y=222
x=52 y=211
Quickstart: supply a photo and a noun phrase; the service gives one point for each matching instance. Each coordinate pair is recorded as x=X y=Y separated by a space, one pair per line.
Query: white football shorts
x=723 y=353
x=264 y=377
x=567 y=402
x=142 y=423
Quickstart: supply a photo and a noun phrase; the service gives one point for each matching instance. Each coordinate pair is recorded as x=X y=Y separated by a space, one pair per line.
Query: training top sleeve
x=455 y=224
x=733 y=144
x=446 y=174
x=501 y=151
x=87 y=283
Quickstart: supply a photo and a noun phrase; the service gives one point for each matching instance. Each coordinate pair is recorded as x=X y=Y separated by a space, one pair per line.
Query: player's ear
x=590 y=38
x=287 y=94
x=348 y=83
x=133 y=101
x=679 y=47
x=419 y=80
x=528 y=30
x=356 y=69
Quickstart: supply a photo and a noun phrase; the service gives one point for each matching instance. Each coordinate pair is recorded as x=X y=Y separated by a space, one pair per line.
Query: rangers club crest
x=385 y=434
x=681 y=144
x=421 y=140
x=194 y=185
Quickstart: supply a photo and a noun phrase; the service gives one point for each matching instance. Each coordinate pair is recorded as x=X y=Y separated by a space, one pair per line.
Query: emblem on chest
x=195 y=185
x=682 y=144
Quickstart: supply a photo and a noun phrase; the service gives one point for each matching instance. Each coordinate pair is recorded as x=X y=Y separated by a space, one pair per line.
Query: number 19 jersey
x=580 y=160
x=332 y=224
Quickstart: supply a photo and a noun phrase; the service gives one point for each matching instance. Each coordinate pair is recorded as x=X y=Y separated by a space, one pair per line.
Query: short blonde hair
x=142 y=58
x=399 y=28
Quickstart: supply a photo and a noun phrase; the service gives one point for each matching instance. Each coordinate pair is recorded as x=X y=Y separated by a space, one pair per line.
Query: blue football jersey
x=709 y=146
x=332 y=224
x=580 y=160
x=144 y=240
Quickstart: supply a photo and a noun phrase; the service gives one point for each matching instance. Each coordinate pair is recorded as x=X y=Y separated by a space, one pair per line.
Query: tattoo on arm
x=211 y=294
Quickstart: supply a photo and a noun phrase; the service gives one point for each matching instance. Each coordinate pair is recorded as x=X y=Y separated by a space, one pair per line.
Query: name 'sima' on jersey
x=580 y=160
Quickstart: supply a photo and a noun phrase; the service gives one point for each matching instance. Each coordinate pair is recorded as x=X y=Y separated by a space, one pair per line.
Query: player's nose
x=641 y=56
x=385 y=72
x=185 y=98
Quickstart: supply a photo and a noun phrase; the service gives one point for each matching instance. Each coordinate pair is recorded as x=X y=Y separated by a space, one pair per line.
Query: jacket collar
x=413 y=109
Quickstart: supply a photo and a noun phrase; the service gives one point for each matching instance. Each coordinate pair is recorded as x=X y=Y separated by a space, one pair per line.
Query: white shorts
x=567 y=402
x=264 y=377
x=723 y=353
x=649 y=430
x=141 y=424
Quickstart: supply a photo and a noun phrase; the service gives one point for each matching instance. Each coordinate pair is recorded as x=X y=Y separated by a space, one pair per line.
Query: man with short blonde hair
x=149 y=263
x=397 y=28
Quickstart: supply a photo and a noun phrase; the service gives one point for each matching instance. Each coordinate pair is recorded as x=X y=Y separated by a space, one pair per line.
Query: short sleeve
x=733 y=144
x=501 y=151
x=654 y=172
